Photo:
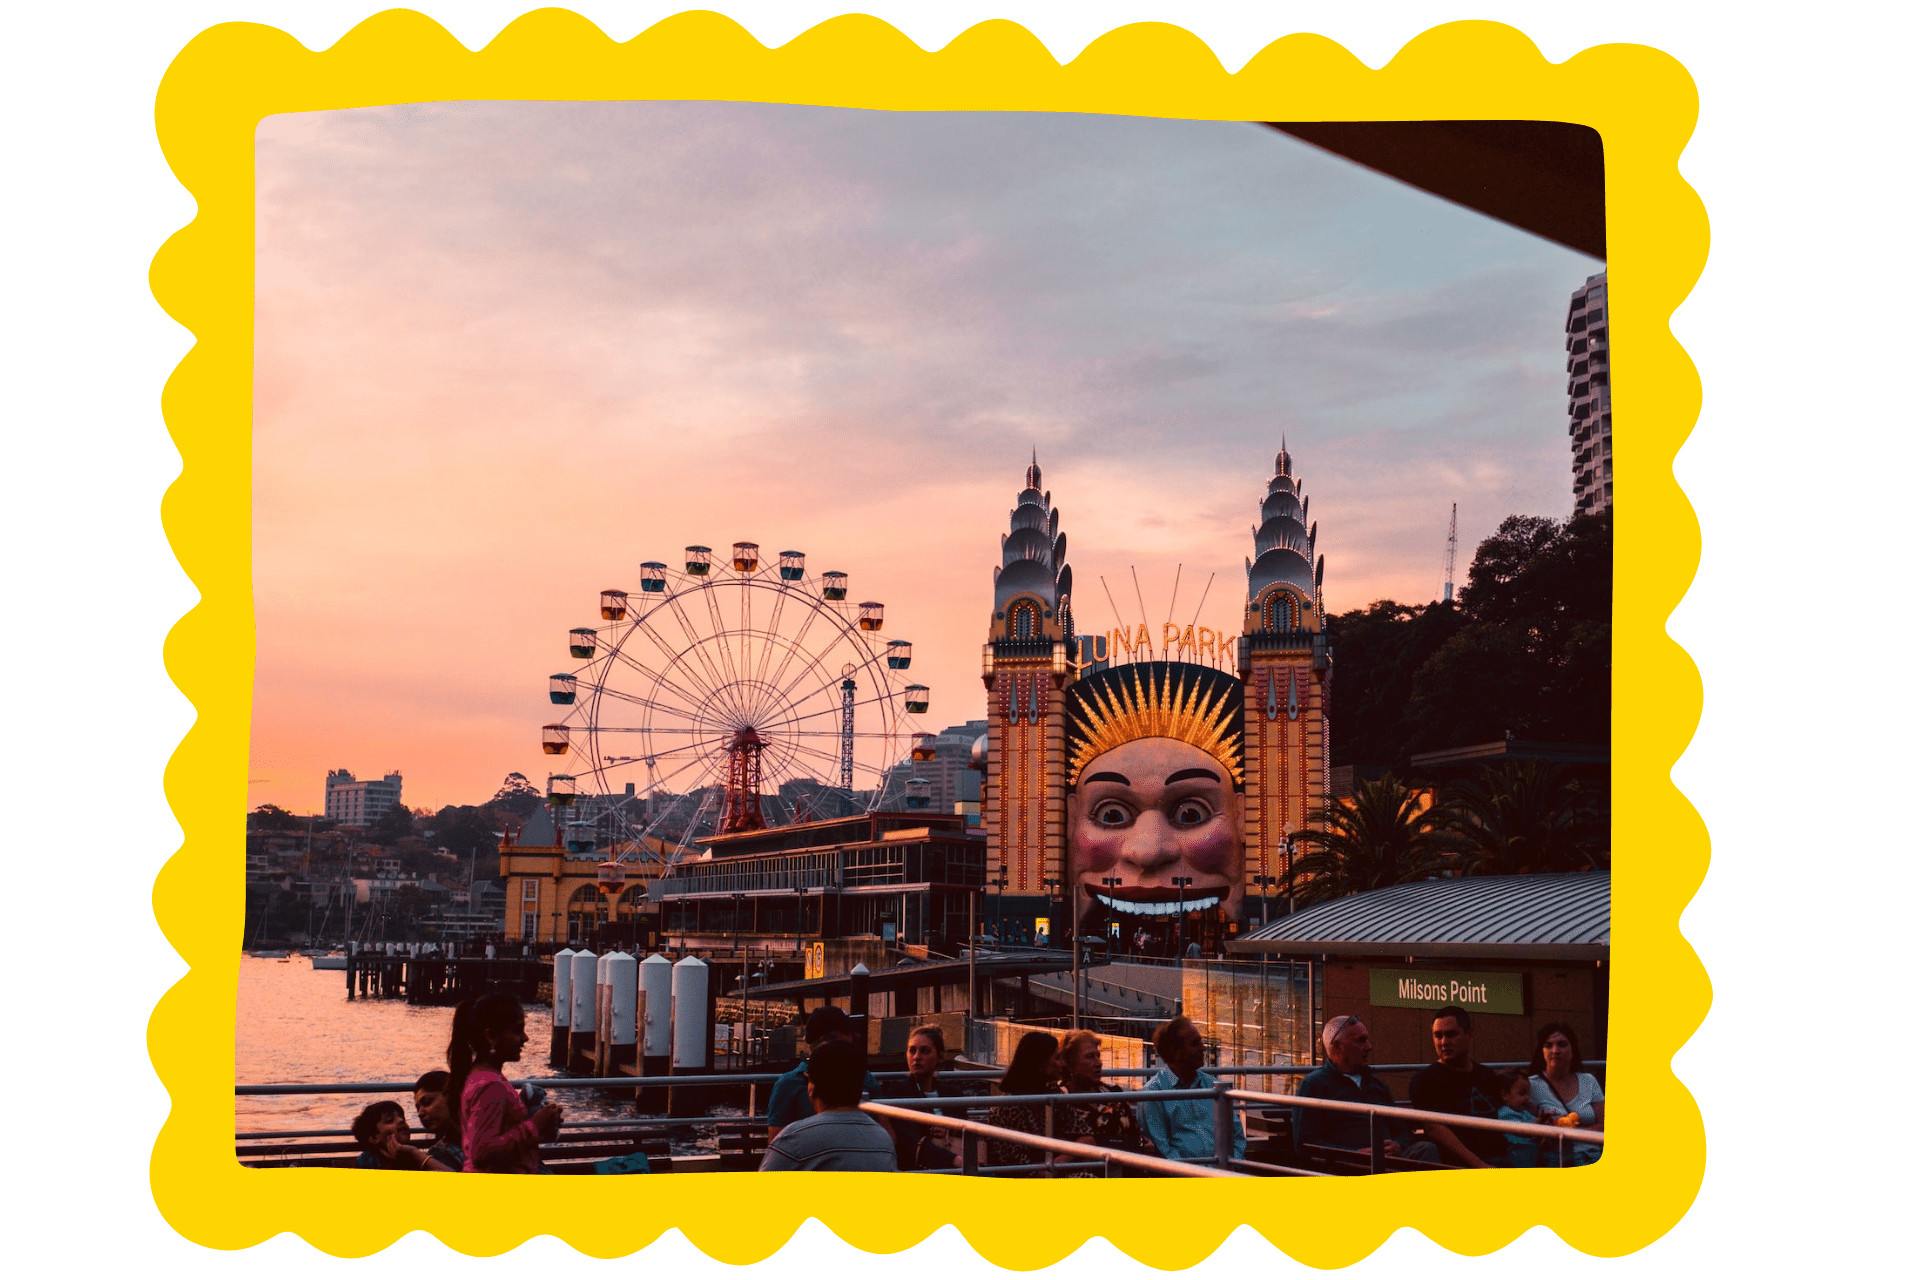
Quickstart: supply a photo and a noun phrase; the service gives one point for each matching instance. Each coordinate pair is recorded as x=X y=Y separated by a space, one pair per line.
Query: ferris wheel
x=729 y=677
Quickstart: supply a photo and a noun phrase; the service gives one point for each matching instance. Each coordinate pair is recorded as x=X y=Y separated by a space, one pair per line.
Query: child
x=385 y=1140
x=1517 y=1108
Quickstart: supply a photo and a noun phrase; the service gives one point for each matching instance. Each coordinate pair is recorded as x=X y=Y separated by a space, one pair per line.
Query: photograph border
x=1641 y=101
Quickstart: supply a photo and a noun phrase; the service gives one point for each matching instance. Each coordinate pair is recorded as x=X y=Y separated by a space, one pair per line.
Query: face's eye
x=1191 y=813
x=1111 y=813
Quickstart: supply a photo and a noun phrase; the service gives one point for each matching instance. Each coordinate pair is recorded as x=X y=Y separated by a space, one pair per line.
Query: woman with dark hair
x=440 y=1115
x=501 y=1136
x=918 y=1146
x=1562 y=1093
x=1035 y=1065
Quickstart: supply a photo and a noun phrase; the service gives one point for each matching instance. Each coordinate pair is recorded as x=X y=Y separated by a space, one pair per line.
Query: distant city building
x=1590 y=397
x=954 y=781
x=360 y=804
x=938 y=777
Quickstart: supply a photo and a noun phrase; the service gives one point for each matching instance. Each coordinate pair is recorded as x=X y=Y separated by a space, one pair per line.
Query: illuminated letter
x=1142 y=641
x=1186 y=642
x=1170 y=638
x=1206 y=644
x=1116 y=641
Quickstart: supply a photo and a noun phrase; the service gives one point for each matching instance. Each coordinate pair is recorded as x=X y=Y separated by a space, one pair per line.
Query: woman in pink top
x=501 y=1137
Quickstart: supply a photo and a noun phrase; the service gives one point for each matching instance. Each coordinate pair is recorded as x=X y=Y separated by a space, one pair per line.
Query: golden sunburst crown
x=1190 y=704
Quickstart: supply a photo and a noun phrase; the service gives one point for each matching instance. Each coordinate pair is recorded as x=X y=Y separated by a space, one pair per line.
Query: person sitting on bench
x=1347 y=1077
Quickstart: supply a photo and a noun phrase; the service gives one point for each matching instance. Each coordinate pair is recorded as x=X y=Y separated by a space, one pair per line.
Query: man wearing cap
x=1346 y=1077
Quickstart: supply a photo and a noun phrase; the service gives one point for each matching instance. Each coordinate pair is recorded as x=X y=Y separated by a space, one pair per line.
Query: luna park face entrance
x=1165 y=936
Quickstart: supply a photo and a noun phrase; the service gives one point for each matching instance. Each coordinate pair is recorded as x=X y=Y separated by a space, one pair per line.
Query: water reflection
x=296 y=1025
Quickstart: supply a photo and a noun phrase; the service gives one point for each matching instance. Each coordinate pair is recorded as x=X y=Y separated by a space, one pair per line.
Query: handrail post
x=1051 y=1111
x=1376 y=1143
x=1561 y=1142
x=970 y=1154
x=1222 y=1125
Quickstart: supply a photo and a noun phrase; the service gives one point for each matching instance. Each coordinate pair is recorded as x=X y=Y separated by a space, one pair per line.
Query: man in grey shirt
x=838 y=1135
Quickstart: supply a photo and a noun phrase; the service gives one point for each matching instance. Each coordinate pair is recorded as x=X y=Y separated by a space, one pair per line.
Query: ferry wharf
x=442 y=980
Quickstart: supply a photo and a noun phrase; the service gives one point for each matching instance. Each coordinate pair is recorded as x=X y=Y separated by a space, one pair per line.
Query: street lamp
x=1181 y=883
x=1286 y=852
x=998 y=883
x=1264 y=882
x=1112 y=883
x=760 y=979
x=738 y=898
x=1050 y=884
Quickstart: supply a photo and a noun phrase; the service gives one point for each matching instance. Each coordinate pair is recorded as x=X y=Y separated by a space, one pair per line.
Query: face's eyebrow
x=1184 y=774
x=1120 y=778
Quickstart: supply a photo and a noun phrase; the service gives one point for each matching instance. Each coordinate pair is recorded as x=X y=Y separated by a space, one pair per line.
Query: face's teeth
x=1126 y=907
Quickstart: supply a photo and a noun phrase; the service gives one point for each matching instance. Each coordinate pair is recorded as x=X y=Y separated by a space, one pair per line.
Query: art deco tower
x=1025 y=667
x=1287 y=670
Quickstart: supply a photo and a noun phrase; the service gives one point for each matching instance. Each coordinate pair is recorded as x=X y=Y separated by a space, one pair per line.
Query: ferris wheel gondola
x=732 y=678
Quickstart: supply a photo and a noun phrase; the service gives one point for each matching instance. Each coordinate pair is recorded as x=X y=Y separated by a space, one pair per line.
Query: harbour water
x=296 y=1025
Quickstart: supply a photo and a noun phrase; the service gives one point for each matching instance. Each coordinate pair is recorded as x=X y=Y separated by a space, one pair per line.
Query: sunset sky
x=507 y=351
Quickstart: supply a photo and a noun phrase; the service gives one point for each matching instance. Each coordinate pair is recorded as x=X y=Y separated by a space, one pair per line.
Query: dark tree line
x=1524 y=817
x=1526 y=650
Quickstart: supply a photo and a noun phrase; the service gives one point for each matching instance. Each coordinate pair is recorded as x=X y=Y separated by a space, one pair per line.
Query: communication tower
x=1453 y=546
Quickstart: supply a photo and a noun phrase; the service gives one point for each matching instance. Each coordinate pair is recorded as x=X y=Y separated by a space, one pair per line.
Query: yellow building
x=554 y=896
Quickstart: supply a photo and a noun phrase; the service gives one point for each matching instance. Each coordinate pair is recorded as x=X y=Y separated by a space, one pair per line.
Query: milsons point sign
x=1435 y=989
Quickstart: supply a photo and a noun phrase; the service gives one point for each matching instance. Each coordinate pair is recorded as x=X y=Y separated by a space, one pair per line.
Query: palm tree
x=1383 y=835
x=1526 y=816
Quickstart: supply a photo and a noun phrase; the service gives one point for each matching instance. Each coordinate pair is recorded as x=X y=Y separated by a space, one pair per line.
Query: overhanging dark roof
x=1543 y=176
x=1538 y=917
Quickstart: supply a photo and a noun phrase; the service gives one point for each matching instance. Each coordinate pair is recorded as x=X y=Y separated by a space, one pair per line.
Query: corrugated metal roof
x=1546 y=917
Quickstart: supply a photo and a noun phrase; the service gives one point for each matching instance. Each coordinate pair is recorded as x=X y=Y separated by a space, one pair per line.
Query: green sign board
x=1437 y=988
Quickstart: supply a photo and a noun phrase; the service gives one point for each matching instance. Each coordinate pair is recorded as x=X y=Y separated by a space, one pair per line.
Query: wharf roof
x=1531 y=917
x=827 y=833
x=919 y=973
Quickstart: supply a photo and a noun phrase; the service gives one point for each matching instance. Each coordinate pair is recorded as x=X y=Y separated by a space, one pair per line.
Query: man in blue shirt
x=789 y=1100
x=1183 y=1129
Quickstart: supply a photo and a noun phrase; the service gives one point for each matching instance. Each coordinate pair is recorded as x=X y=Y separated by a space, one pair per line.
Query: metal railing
x=1379 y=1120
x=574 y=1082
x=1228 y=1101
x=973 y=1131
x=767 y=1077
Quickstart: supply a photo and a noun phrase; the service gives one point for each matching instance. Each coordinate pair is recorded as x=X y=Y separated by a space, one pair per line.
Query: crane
x=1453 y=546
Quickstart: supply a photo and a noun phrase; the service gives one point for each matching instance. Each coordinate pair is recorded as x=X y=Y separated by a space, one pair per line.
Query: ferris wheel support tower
x=707 y=689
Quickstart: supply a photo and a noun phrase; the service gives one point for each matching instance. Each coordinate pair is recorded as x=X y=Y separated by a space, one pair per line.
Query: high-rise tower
x=1590 y=397
x=1287 y=672
x=1025 y=667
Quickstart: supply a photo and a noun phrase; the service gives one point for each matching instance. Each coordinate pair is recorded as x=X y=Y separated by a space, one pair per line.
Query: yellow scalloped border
x=1643 y=104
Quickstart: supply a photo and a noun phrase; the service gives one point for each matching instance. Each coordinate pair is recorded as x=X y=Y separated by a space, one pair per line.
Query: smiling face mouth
x=1157 y=902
